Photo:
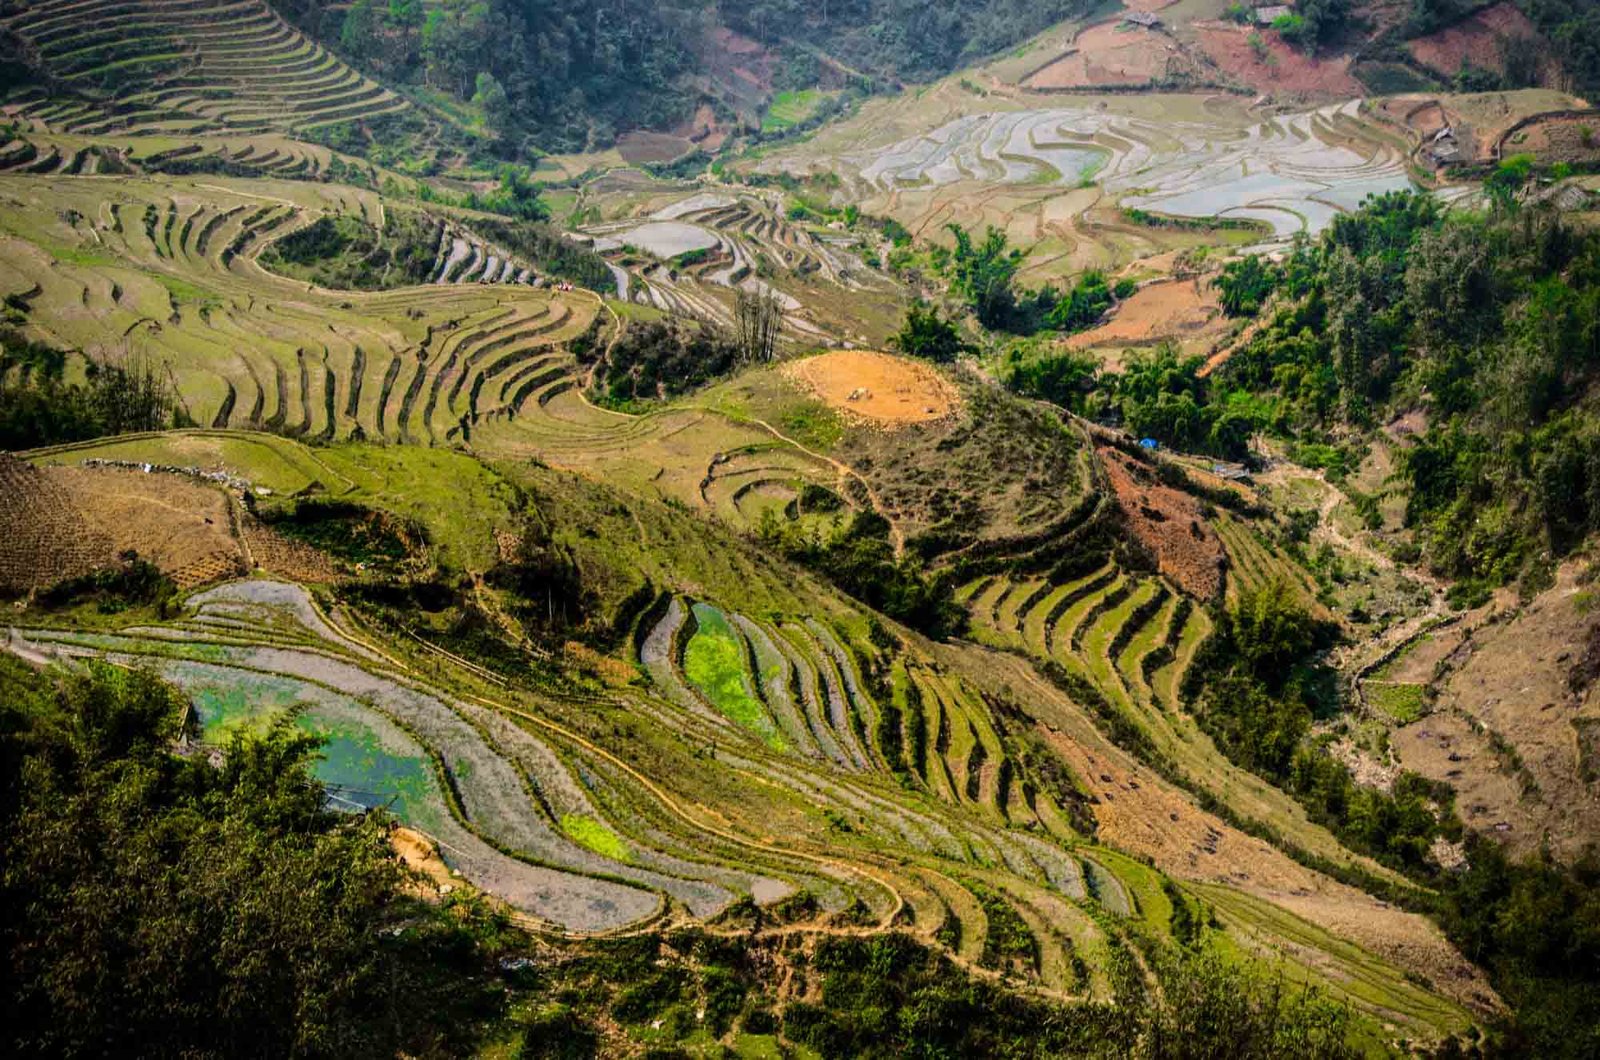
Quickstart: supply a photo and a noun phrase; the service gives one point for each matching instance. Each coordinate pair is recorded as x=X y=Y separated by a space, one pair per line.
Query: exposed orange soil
x=1167 y=522
x=1113 y=54
x=1476 y=41
x=1286 y=69
x=876 y=387
x=1157 y=311
x=417 y=853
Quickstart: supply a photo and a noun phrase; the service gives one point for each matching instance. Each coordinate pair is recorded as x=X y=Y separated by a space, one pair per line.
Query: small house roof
x=1271 y=13
x=1142 y=18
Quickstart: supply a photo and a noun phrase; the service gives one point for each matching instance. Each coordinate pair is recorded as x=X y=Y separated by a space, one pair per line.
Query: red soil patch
x=1157 y=311
x=740 y=66
x=1112 y=53
x=703 y=129
x=1285 y=69
x=881 y=389
x=1167 y=522
x=1477 y=41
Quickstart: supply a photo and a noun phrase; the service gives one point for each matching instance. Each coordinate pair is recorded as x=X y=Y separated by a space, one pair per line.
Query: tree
x=197 y=909
x=982 y=275
x=1084 y=305
x=1508 y=178
x=1244 y=285
x=491 y=96
x=759 y=318
x=356 y=33
x=928 y=334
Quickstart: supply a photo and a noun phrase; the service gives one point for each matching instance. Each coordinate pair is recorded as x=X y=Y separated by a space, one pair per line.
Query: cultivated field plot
x=1114 y=53
x=64 y=522
x=1481 y=42
x=1053 y=174
x=169 y=272
x=1295 y=173
x=964 y=816
x=1181 y=311
x=185 y=66
x=1132 y=638
x=688 y=253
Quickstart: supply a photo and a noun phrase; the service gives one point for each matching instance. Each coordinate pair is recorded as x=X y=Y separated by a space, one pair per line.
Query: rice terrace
x=538 y=529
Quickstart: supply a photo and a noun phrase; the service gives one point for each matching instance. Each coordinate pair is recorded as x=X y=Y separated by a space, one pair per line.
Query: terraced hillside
x=1132 y=638
x=685 y=248
x=1042 y=169
x=773 y=748
x=171 y=272
x=171 y=66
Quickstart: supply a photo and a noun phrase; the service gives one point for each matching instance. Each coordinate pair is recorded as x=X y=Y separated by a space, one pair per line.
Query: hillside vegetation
x=539 y=530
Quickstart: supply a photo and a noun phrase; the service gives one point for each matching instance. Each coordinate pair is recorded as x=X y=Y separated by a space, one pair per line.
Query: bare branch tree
x=760 y=318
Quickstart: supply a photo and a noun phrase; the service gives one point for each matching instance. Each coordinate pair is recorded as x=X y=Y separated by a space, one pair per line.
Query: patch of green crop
x=813 y=424
x=240 y=704
x=1403 y=702
x=714 y=662
x=185 y=293
x=789 y=109
x=82 y=257
x=596 y=836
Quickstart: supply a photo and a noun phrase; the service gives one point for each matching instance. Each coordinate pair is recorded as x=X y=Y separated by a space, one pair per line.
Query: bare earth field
x=180 y=525
x=1183 y=309
x=1113 y=53
x=1514 y=714
x=1286 y=70
x=1167 y=522
x=1477 y=41
x=878 y=388
x=63 y=522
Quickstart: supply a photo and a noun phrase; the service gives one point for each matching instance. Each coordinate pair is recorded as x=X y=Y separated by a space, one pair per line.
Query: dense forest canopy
x=906 y=39
x=562 y=75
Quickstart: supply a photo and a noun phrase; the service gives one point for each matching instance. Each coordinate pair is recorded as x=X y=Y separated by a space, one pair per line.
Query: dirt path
x=896 y=533
x=1355 y=658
